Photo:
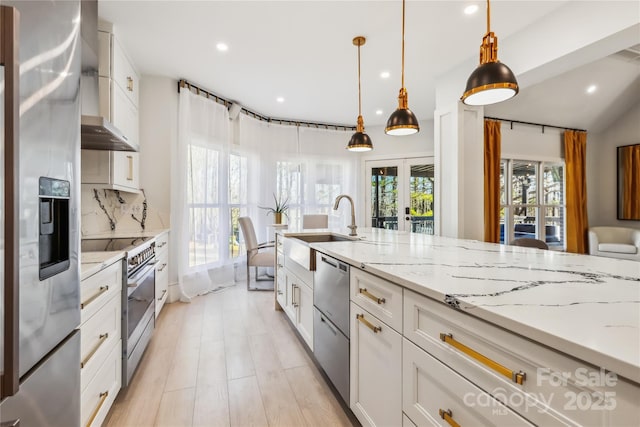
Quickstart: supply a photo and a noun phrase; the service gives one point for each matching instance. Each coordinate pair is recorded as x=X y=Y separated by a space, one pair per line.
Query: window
x=203 y=203
x=290 y=186
x=531 y=195
x=238 y=190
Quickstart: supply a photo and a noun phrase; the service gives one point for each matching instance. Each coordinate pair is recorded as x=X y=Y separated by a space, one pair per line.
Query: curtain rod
x=220 y=100
x=534 y=124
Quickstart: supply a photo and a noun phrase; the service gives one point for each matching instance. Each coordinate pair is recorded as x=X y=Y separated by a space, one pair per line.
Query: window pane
x=523 y=183
x=553 y=181
x=327 y=187
x=203 y=231
x=503 y=221
x=503 y=180
x=384 y=197
x=289 y=181
x=236 y=247
x=237 y=179
x=554 y=226
x=525 y=224
x=421 y=193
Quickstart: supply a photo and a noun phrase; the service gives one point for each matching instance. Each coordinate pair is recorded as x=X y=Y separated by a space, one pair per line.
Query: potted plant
x=280 y=208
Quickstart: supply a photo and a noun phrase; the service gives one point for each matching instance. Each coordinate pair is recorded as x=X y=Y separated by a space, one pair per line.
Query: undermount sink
x=328 y=237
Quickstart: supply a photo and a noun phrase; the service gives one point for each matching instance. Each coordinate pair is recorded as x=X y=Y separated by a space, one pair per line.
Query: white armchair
x=615 y=242
x=258 y=254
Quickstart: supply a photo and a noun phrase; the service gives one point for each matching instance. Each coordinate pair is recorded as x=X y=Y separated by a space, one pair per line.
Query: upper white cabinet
x=116 y=170
x=119 y=84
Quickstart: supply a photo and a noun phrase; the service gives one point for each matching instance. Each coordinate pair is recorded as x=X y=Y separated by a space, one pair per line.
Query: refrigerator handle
x=9 y=30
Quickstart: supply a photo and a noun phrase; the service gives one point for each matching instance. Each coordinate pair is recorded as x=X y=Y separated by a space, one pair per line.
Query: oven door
x=141 y=290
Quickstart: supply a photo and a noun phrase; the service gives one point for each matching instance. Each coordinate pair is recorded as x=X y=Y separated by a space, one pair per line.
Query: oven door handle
x=134 y=281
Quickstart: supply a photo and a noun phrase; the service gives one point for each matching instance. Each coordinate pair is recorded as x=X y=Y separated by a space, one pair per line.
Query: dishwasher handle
x=335 y=264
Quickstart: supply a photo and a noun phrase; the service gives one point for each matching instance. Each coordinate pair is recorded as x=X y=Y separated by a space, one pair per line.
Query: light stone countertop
x=93 y=262
x=585 y=306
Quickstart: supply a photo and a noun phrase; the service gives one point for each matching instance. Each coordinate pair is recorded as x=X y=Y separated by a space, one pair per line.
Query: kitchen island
x=582 y=308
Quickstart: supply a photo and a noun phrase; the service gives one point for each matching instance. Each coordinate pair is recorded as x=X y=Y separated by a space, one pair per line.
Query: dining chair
x=529 y=243
x=258 y=254
x=315 y=221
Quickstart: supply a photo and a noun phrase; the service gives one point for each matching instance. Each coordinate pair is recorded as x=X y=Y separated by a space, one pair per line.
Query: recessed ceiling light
x=471 y=9
x=378 y=112
x=280 y=99
x=592 y=89
x=222 y=47
x=384 y=75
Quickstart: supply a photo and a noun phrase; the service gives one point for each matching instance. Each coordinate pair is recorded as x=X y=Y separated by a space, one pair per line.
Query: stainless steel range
x=138 y=297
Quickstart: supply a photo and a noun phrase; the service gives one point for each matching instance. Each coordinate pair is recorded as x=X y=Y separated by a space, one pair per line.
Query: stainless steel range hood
x=96 y=132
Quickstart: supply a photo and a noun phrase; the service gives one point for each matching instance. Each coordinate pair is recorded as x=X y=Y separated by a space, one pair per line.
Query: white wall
x=601 y=169
x=527 y=142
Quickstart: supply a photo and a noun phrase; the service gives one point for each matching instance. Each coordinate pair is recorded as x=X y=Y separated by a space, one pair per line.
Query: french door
x=400 y=194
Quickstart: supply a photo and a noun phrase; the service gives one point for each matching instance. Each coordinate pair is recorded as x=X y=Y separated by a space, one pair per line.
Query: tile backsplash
x=105 y=211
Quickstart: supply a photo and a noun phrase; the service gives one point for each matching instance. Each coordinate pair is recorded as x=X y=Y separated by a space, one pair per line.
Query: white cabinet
x=435 y=395
x=100 y=343
x=119 y=84
x=299 y=306
x=375 y=370
x=162 y=270
x=280 y=285
x=115 y=170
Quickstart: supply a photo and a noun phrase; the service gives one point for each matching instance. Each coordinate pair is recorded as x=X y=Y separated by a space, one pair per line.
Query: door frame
x=403 y=163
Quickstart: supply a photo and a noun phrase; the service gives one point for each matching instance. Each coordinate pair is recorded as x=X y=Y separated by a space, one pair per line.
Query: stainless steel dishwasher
x=331 y=320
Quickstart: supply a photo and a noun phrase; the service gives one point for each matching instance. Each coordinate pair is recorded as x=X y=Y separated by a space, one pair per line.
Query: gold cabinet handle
x=161 y=245
x=129 y=84
x=101 y=340
x=162 y=267
x=293 y=294
x=164 y=291
x=446 y=415
x=516 y=377
x=103 y=397
x=91 y=299
x=368 y=324
x=130 y=174
x=368 y=294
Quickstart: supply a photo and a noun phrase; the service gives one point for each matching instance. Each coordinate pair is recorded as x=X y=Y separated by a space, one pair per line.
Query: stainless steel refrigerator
x=39 y=204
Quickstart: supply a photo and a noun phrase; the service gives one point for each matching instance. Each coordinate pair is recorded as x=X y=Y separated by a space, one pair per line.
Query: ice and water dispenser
x=54 y=226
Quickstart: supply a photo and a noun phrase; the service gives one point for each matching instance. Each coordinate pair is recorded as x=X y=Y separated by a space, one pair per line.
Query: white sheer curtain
x=217 y=178
x=199 y=165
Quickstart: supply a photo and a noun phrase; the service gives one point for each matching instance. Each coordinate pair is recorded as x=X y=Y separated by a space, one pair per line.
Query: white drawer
x=162 y=284
x=162 y=245
x=556 y=389
x=97 y=398
x=430 y=389
x=382 y=298
x=98 y=336
x=96 y=290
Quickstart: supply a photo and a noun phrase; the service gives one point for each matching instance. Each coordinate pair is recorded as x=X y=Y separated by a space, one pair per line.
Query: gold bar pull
x=516 y=377
x=368 y=324
x=366 y=293
x=164 y=291
x=293 y=294
x=102 y=338
x=91 y=299
x=162 y=267
x=103 y=397
x=130 y=174
x=446 y=415
x=129 y=84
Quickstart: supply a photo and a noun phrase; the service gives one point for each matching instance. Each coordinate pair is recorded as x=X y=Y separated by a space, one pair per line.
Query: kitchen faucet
x=352 y=227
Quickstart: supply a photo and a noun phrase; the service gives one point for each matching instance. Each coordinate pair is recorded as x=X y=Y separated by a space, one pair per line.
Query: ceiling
x=302 y=51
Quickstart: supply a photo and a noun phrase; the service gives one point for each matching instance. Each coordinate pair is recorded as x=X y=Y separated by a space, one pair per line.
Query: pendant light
x=359 y=141
x=402 y=121
x=492 y=81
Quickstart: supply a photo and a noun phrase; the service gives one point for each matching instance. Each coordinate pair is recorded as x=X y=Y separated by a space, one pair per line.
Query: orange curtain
x=491 y=181
x=575 y=153
x=631 y=182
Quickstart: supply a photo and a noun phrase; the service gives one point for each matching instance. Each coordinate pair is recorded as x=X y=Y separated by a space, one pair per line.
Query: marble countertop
x=585 y=306
x=93 y=262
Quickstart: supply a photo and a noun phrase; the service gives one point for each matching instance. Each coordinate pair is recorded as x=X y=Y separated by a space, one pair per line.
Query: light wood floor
x=226 y=359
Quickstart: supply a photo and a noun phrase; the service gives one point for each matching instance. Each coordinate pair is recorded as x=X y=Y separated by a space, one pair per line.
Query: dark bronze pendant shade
x=402 y=121
x=492 y=81
x=359 y=141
